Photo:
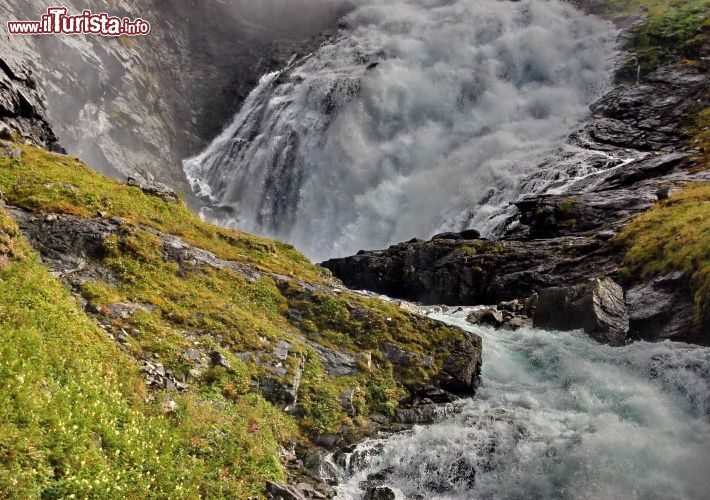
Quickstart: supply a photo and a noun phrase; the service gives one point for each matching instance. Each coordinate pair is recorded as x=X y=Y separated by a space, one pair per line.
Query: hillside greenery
x=671 y=29
x=78 y=418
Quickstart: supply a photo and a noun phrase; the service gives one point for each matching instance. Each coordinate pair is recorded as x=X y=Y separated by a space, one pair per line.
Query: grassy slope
x=672 y=29
x=675 y=234
x=73 y=419
x=75 y=416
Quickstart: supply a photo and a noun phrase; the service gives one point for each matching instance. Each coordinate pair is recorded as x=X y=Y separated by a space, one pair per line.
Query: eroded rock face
x=598 y=308
x=22 y=106
x=148 y=102
x=455 y=273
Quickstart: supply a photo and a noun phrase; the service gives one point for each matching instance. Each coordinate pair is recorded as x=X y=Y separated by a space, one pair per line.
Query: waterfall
x=418 y=116
x=560 y=417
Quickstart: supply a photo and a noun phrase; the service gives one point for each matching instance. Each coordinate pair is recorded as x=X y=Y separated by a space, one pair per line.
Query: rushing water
x=416 y=112
x=562 y=417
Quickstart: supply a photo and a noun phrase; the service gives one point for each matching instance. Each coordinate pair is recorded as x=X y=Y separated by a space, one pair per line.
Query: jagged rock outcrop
x=457 y=272
x=22 y=106
x=598 y=308
x=563 y=240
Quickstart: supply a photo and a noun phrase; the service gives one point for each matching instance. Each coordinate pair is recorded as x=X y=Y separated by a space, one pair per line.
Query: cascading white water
x=416 y=112
x=561 y=417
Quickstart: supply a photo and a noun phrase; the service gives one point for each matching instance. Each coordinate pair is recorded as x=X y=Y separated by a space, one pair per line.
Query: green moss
x=223 y=440
x=673 y=30
x=478 y=247
x=567 y=206
x=673 y=236
x=73 y=420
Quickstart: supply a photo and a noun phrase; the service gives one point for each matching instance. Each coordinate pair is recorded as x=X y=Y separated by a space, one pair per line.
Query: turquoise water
x=561 y=417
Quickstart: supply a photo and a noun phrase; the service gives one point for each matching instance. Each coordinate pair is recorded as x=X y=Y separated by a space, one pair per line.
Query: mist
x=296 y=17
x=417 y=112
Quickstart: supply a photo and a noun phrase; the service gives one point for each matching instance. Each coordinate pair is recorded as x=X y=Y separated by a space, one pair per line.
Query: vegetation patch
x=674 y=235
x=672 y=30
x=74 y=420
x=47 y=182
x=82 y=414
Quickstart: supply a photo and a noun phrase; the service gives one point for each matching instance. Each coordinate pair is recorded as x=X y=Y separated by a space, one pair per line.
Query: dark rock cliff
x=22 y=106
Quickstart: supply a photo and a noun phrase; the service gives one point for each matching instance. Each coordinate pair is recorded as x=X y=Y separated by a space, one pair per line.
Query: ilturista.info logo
x=57 y=21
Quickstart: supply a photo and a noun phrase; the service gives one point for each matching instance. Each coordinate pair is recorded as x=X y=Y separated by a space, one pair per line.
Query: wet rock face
x=451 y=272
x=461 y=373
x=379 y=493
x=563 y=240
x=650 y=116
x=661 y=309
x=598 y=308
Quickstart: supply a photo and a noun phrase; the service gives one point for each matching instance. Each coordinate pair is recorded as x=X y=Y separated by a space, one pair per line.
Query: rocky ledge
x=634 y=145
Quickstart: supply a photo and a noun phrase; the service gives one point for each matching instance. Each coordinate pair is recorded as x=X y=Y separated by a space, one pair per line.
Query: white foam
x=560 y=416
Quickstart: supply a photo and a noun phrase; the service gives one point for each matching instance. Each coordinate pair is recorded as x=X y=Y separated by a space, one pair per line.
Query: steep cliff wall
x=146 y=102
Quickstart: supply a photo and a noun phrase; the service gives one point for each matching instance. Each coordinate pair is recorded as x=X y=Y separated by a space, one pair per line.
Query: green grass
x=675 y=234
x=74 y=404
x=673 y=29
x=46 y=182
x=73 y=420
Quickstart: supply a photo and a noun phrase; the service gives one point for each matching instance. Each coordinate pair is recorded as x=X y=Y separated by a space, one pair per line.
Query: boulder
x=462 y=367
x=425 y=414
x=661 y=308
x=277 y=491
x=516 y=323
x=379 y=493
x=192 y=356
x=375 y=488
x=397 y=355
x=337 y=363
x=489 y=316
x=218 y=359
x=597 y=307
x=447 y=236
x=145 y=181
x=470 y=234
